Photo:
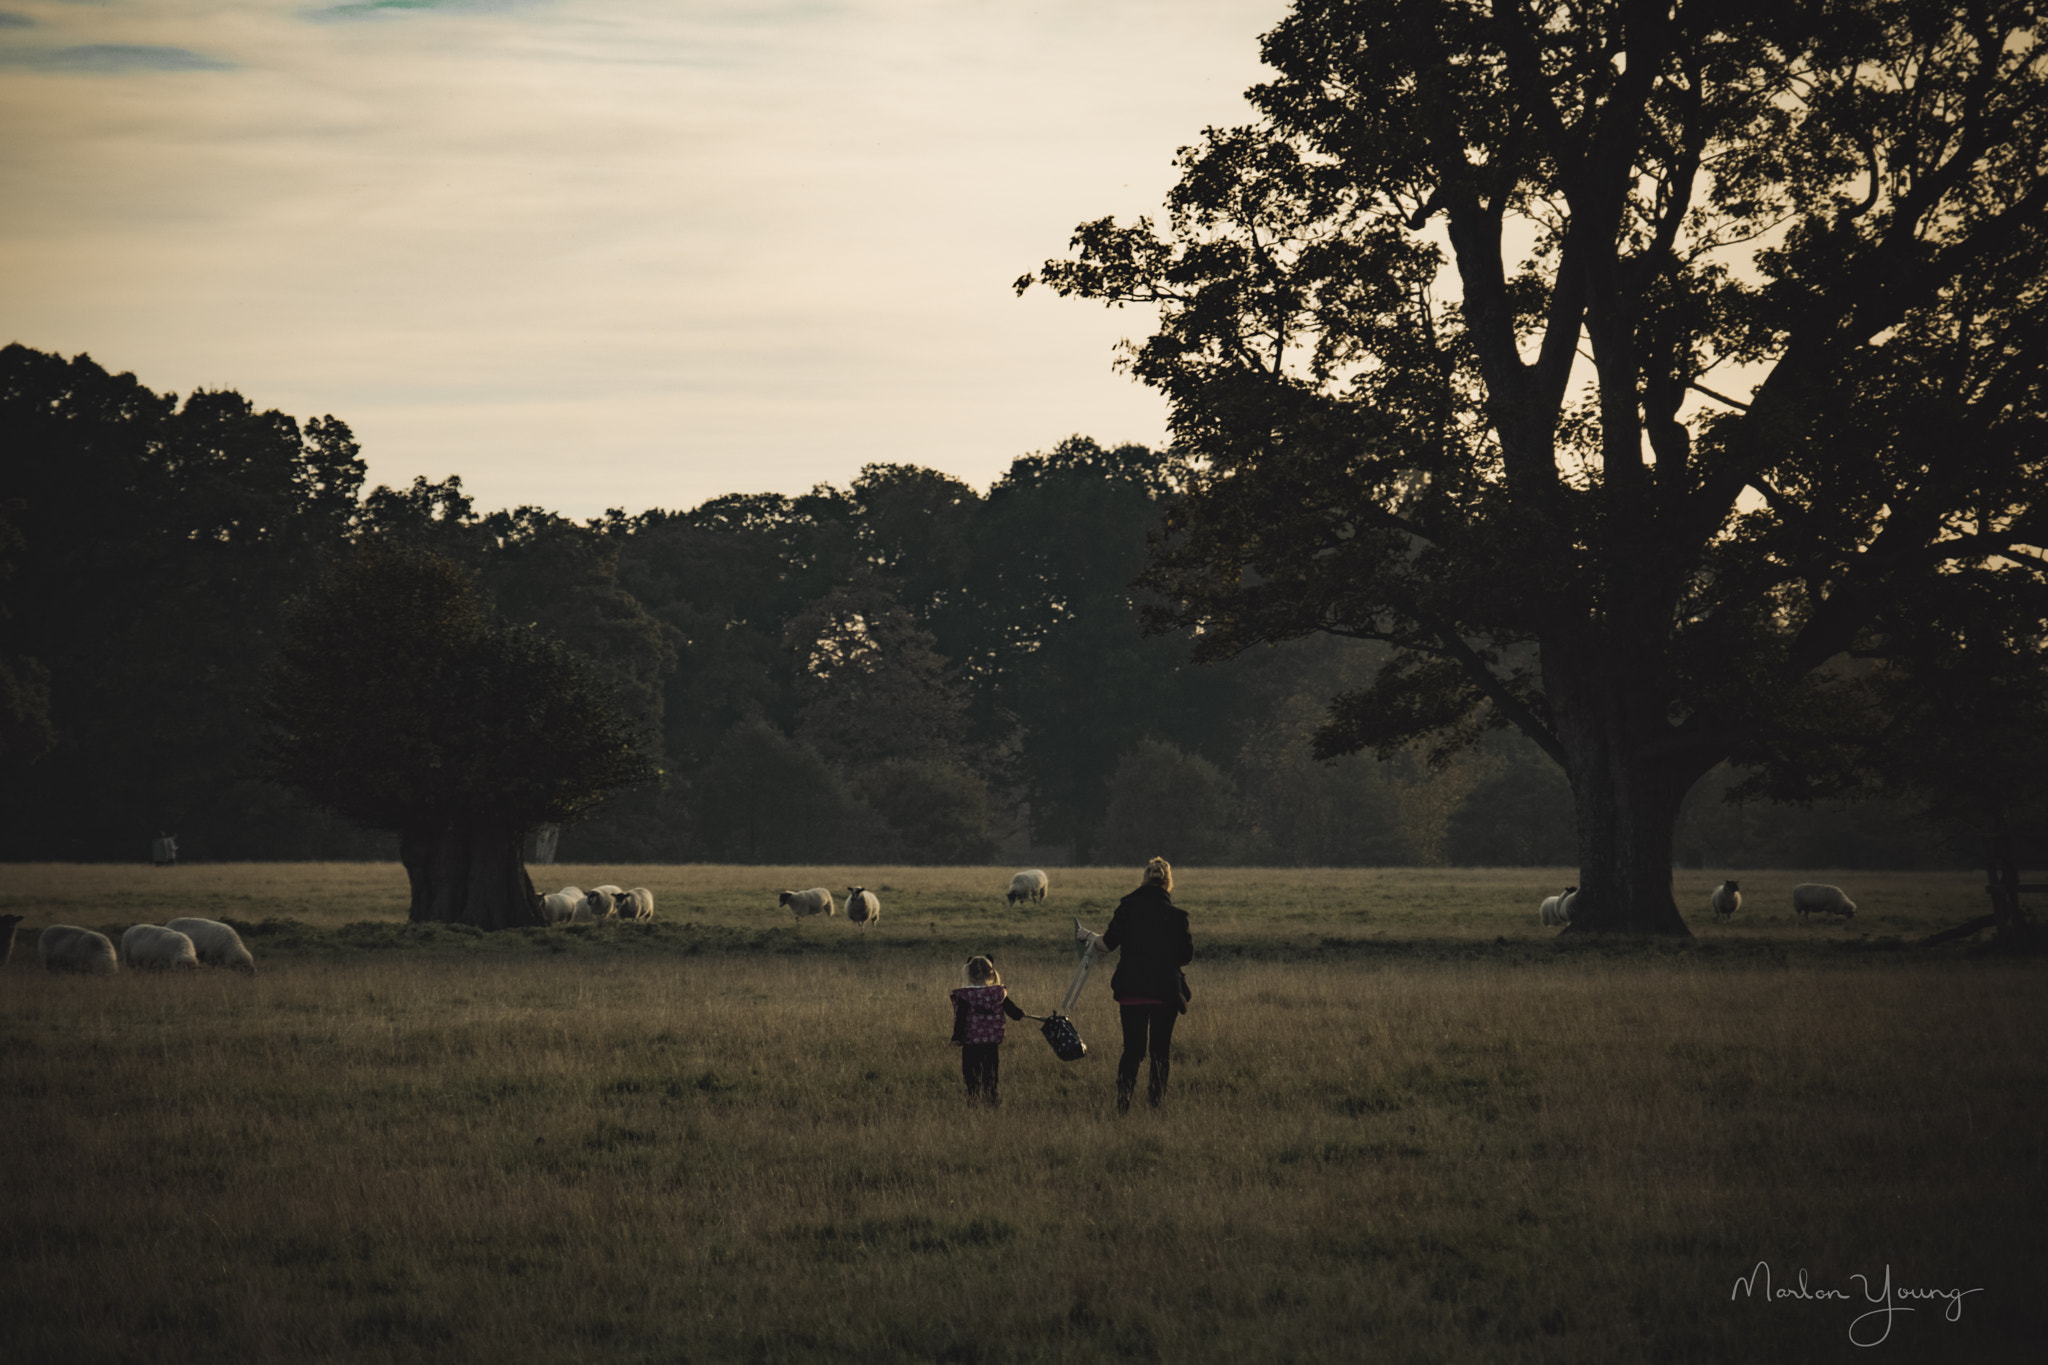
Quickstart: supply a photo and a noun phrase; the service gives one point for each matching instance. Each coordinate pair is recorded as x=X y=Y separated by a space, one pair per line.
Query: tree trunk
x=468 y=875
x=1629 y=780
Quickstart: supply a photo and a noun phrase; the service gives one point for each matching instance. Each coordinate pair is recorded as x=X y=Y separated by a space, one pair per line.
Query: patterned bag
x=1064 y=1037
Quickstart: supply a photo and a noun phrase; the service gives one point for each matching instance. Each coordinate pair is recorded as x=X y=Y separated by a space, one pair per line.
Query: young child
x=978 y=1011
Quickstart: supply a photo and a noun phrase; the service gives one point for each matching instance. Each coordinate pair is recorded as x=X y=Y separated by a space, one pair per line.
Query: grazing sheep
x=1557 y=909
x=1727 y=900
x=637 y=904
x=67 y=948
x=1814 y=898
x=816 y=901
x=217 y=944
x=153 y=946
x=559 y=907
x=1027 y=886
x=8 y=924
x=598 y=905
x=863 y=907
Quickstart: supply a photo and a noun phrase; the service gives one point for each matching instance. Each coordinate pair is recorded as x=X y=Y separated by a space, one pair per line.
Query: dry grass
x=745 y=1141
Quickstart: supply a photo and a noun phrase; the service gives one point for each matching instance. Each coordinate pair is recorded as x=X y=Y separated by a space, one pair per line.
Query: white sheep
x=153 y=946
x=863 y=907
x=217 y=944
x=816 y=901
x=1815 y=898
x=8 y=924
x=1030 y=885
x=1727 y=899
x=598 y=905
x=67 y=948
x=1557 y=909
x=636 y=904
x=559 y=907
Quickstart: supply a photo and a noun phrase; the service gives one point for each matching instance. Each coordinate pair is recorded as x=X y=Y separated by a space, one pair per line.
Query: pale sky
x=606 y=253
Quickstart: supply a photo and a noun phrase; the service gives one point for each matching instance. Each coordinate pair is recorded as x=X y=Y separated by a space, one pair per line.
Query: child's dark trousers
x=981 y=1067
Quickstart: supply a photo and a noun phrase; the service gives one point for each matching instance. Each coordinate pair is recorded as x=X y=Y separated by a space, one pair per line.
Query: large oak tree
x=400 y=700
x=1628 y=365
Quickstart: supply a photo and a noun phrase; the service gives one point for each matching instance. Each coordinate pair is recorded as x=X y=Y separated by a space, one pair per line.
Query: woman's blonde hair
x=981 y=971
x=1159 y=873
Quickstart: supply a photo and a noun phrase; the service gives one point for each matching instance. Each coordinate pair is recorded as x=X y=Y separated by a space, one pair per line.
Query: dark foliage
x=399 y=700
x=905 y=670
x=1641 y=573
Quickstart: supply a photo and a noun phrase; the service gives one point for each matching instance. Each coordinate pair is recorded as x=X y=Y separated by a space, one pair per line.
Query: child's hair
x=981 y=971
x=1159 y=873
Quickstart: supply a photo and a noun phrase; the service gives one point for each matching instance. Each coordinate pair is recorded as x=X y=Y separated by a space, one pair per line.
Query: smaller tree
x=767 y=798
x=400 y=701
x=1163 y=802
x=936 y=810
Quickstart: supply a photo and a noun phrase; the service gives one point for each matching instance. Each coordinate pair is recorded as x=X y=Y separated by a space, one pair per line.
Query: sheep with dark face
x=1817 y=898
x=67 y=948
x=816 y=901
x=1029 y=885
x=863 y=906
x=1726 y=900
x=1557 y=910
x=599 y=904
x=636 y=904
x=217 y=944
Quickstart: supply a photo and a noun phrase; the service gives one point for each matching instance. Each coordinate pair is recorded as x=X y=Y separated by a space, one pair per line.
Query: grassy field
x=1406 y=1124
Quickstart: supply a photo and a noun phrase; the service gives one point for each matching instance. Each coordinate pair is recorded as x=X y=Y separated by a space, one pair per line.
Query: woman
x=1150 y=990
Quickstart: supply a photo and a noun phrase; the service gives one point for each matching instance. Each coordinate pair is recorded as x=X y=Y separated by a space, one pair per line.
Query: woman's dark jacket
x=1152 y=934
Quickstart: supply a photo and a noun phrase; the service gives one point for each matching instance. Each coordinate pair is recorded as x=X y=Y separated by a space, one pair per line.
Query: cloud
x=111 y=59
x=364 y=9
x=8 y=20
x=630 y=253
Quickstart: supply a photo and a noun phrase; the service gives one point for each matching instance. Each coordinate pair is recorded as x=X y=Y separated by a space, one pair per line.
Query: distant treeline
x=905 y=669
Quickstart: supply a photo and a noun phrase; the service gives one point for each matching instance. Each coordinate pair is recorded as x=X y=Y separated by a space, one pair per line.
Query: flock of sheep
x=1808 y=898
x=182 y=943
x=863 y=907
x=190 y=942
x=571 y=906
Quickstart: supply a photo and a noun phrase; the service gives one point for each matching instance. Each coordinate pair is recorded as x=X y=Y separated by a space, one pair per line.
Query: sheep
x=1027 y=886
x=1557 y=909
x=637 y=904
x=217 y=944
x=8 y=924
x=152 y=945
x=598 y=905
x=1814 y=898
x=816 y=901
x=67 y=948
x=559 y=907
x=1727 y=899
x=863 y=907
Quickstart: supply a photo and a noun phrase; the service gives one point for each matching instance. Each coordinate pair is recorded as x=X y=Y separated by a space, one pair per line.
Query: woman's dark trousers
x=1139 y=1021
x=981 y=1066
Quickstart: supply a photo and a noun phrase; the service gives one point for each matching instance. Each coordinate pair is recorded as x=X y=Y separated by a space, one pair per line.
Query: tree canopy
x=401 y=701
x=1625 y=367
x=903 y=669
